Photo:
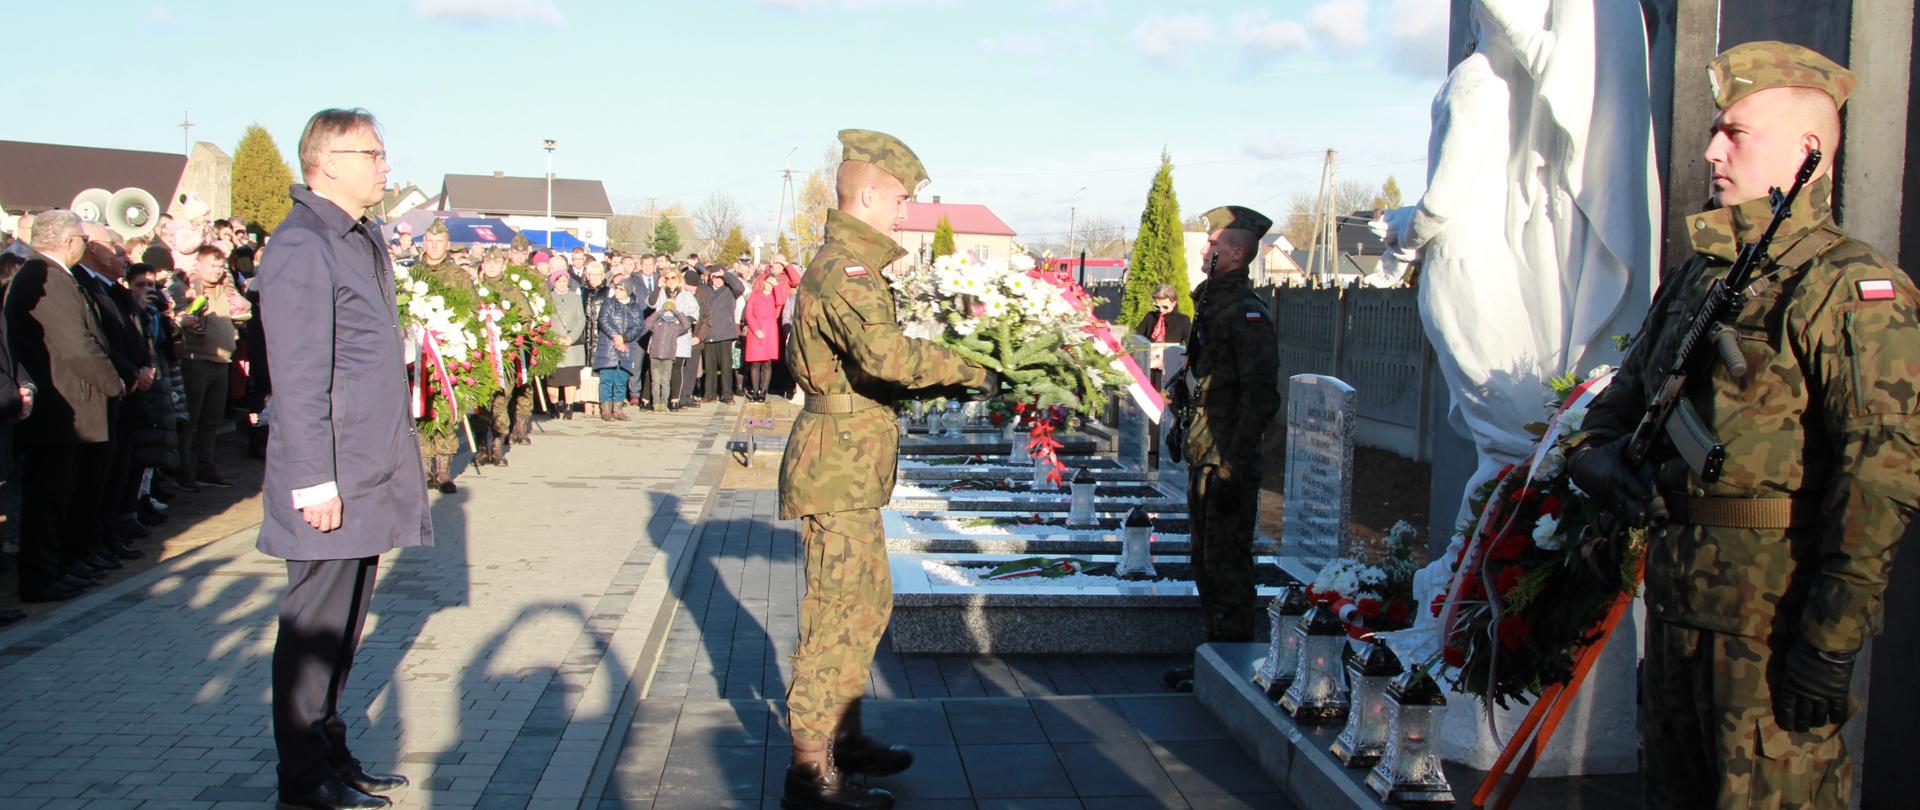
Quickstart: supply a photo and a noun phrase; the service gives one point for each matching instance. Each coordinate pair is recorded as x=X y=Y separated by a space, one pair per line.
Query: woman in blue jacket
x=622 y=321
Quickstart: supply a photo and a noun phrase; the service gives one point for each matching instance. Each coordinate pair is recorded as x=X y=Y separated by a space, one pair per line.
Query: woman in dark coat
x=1163 y=324
x=622 y=321
x=593 y=294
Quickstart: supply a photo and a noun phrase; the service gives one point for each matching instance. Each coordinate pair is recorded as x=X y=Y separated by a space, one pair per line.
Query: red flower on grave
x=1508 y=578
x=1369 y=607
x=1513 y=631
x=1439 y=604
x=1472 y=588
x=1508 y=547
x=1399 y=612
x=1551 y=505
x=1454 y=655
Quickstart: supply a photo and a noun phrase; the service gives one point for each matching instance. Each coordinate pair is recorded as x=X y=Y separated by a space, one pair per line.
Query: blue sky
x=1014 y=104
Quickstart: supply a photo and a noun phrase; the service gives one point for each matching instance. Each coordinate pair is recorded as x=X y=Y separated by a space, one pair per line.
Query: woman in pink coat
x=760 y=329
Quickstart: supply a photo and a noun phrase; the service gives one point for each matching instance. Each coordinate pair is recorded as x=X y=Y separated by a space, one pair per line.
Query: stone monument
x=1319 y=473
x=1173 y=474
x=1133 y=426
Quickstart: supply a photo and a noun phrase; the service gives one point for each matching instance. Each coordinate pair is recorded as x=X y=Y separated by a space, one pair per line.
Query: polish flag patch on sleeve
x=1875 y=289
x=1256 y=315
x=856 y=270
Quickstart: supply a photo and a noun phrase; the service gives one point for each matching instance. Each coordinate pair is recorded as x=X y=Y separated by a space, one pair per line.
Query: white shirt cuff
x=315 y=495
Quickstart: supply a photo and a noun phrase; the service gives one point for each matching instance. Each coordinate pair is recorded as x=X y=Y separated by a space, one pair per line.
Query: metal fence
x=1372 y=340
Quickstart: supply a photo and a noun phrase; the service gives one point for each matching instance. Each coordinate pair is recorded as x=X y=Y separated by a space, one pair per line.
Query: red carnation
x=1471 y=588
x=1369 y=607
x=1508 y=578
x=1550 y=505
x=1439 y=603
x=1399 y=612
x=1455 y=656
x=1513 y=631
x=1508 y=547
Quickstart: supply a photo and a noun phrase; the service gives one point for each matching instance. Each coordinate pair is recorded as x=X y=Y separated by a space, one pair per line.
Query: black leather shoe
x=129 y=527
x=812 y=787
x=866 y=755
x=372 y=784
x=86 y=573
x=59 y=592
x=210 y=478
x=447 y=487
x=125 y=552
x=150 y=517
x=77 y=583
x=331 y=795
x=105 y=560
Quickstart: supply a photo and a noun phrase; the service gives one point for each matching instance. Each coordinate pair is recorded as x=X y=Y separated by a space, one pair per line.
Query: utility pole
x=786 y=196
x=1071 y=219
x=186 y=135
x=549 y=144
x=1322 y=216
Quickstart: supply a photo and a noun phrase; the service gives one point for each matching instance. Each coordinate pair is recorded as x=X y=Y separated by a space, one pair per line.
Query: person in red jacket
x=760 y=328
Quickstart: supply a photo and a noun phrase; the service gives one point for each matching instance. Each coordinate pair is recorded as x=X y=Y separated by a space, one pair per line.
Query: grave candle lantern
x=1318 y=695
x=1409 y=771
x=1080 y=509
x=1136 y=545
x=955 y=420
x=1040 y=470
x=1365 y=736
x=1283 y=644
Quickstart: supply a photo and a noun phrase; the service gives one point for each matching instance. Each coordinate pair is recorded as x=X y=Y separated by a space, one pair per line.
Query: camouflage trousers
x=511 y=412
x=1711 y=740
x=849 y=598
x=1222 y=517
x=437 y=449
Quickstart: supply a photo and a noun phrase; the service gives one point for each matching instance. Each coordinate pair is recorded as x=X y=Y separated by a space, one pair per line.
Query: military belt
x=839 y=403
x=1745 y=513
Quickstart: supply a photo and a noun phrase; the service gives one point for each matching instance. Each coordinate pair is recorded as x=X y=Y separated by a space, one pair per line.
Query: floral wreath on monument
x=1520 y=604
x=511 y=334
x=446 y=334
x=1372 y=597
x=1035 y=328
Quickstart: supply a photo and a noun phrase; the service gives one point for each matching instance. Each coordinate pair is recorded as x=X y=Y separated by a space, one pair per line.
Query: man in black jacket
x=112 y=522
x=16 y=401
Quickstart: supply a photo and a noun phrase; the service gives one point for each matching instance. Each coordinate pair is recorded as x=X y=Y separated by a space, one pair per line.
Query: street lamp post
x=1070 y=220
x=549 y=145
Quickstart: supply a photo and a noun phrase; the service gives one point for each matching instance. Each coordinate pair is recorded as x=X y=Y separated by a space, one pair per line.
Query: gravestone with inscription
x=1319 y=483
x=1173 y=474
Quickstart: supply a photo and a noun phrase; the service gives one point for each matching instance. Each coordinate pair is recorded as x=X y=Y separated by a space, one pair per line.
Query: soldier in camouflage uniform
x=850 y=358
x=1763 y=585
x=520 y=431
x=496 y=422
x=438 y=445
x=1233 y=367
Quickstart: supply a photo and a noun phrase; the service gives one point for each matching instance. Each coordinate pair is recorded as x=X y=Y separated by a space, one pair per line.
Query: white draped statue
x=1537 y=229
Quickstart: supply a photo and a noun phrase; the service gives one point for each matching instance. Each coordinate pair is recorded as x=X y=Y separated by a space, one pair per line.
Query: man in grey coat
x=343 y=480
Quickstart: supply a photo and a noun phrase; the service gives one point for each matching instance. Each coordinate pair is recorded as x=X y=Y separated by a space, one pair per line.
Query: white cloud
x=1342 y=24
x=1264 y=39
x=1274 y=147
x=1417 y=34
x=493 y=12
x=1171 y=38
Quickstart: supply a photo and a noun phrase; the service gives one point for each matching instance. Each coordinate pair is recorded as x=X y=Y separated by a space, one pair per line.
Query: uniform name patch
x=856 y=270
x=1878 y=289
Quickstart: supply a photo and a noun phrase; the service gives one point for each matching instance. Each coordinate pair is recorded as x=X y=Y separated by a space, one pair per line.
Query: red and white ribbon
x=490 y=318
x=1139 y=384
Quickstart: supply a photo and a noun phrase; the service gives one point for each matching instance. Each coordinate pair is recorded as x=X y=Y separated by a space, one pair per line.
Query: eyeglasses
x=376 y=155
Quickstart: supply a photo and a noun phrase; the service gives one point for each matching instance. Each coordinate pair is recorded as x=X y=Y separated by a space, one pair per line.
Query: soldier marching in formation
x=850 y=358
x=1764 y=583
x=1232 y=391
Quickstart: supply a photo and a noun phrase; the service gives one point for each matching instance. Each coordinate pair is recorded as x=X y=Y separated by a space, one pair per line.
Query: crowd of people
x=123 y=361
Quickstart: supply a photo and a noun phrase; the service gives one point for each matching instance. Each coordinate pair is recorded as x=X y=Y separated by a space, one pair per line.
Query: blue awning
x=561 y=241
x=475 y=230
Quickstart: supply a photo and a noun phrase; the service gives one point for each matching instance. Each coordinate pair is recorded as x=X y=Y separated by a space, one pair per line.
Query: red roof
x=970 y=219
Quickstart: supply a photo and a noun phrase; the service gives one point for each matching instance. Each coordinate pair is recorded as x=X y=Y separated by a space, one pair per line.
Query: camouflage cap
x=520 y=242
x=494 y=253
x=438 y=226
x=1237 y=218
x=1751 y=67
x=887 y=152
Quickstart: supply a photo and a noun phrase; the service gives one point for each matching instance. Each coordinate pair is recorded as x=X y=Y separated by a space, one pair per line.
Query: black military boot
x=865 y=755
x=497 y=450
x=821 y=786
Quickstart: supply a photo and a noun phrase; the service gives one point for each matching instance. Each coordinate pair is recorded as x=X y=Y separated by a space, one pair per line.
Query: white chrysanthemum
x=1551 y=464
x=437 y=300
x=1546 y=533
x=483 y=292
x=505 y=304
x=526 y=285
x=1599 y=371
x=418 y=288
x=1022 y=263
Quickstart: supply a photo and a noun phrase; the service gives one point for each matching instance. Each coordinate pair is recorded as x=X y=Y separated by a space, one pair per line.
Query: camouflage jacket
x=1234 y=359
x=846 y=340
x=1826 y=415
x=446 y=274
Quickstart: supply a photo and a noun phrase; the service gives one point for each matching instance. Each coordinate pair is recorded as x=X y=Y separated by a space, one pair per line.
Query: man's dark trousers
x=1222 y=517
x=49 y=485
x=321 y=614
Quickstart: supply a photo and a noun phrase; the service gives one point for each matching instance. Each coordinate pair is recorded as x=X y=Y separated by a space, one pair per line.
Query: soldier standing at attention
x=439 y=445
x=520 y=426
x=1233 y=368
x=848 y=354
x=496 y=423
x=1764 y=584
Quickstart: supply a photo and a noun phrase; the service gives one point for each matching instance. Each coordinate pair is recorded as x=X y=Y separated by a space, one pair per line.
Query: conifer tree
x=260 y=180
x=784 y=247
x=1159 y=254
x=666 y=238
x=733 y=247
x=943 y=238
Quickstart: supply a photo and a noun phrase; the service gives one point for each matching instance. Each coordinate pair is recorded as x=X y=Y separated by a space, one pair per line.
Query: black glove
x=986 y=390
x=1815 y=686
x=1603 y=472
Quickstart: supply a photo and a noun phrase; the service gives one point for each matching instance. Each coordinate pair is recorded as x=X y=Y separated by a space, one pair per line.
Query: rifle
x=1668 y=411
x=1181 y=388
